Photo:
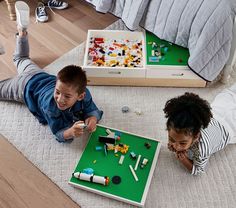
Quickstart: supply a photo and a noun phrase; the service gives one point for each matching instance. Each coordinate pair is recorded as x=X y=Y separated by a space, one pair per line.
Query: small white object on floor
x=138 y=111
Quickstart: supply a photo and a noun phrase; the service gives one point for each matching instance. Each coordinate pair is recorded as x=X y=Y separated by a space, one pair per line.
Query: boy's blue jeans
x=13 y=88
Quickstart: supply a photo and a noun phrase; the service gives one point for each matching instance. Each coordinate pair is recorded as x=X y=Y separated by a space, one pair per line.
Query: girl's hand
x=183 y=158
x=181 y=155
x=171 y=148
x=91 y=123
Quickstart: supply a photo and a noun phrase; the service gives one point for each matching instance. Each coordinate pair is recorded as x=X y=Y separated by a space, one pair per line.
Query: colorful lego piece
x=106 y=139
x=112 y=135
x=122 y=157
x=89 y=171
x=144 y=162
x=123 y=149
x=116 y=179
x=104 y=180
x=111 y=53
x=137 y=162
x=165 y=49
x=133 y=155
x=98 y=148
x=109 y=132
x=105 y=149
x=133 y=173
x=118 y=133
x=81 y=125
x=153 y=59
x=147 y=145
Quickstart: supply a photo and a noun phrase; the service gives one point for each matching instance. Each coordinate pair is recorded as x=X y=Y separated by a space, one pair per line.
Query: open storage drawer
x=117 y=57
x=114 y=53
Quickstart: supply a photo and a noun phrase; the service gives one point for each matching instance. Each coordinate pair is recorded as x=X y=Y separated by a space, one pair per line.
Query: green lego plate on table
x=128 y=190
x=166 y=53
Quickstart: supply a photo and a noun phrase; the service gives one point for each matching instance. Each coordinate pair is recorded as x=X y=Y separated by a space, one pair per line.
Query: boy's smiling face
x=65 y=95
x=180 y=141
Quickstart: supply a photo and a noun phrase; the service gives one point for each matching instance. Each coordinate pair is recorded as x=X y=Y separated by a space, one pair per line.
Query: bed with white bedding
x=205 y=27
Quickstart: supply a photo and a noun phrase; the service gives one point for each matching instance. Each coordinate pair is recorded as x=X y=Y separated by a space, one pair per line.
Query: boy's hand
x=76 y=129
x=91 y=123
x=171 y=148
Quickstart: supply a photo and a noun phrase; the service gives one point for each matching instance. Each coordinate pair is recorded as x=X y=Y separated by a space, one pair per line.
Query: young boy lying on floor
x=63 y=101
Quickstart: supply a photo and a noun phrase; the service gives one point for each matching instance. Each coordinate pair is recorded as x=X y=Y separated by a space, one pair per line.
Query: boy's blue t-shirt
x=38 y=95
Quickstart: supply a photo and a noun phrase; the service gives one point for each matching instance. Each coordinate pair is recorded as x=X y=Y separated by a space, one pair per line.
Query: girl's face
x=180 y=141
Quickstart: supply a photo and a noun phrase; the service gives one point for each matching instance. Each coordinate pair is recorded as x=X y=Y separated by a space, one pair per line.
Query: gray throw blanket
x=203 y=26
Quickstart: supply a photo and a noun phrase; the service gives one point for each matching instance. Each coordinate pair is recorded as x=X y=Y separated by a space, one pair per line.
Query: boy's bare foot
x=21 y=32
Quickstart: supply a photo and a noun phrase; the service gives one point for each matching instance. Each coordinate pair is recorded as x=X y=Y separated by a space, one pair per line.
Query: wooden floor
x=22 y=184
x=48 y=41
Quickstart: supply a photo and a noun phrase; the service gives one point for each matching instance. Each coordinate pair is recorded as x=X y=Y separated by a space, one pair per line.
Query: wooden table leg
x=11 y=8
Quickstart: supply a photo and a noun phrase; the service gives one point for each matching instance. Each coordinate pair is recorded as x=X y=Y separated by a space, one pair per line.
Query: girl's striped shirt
x=212 y=139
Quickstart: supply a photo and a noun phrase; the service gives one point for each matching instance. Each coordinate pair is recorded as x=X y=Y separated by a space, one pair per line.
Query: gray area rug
x=171 y=186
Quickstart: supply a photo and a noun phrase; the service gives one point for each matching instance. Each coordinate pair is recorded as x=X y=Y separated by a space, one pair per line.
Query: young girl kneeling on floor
x=196 y=130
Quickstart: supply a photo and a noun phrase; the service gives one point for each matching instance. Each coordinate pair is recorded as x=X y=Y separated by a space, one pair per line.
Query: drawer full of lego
x=114 y=53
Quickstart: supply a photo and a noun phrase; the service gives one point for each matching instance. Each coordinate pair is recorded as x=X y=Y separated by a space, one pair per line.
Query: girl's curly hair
x=187 y=113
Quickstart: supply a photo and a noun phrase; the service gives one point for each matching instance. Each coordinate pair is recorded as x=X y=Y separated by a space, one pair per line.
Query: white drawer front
x=115 y=72
x=171 y=73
